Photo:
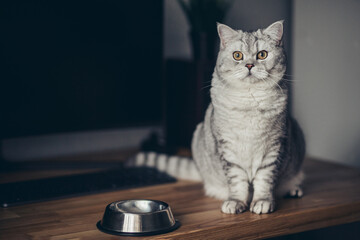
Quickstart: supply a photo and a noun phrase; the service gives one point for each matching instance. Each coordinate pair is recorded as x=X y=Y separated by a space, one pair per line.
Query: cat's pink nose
x=249 y=66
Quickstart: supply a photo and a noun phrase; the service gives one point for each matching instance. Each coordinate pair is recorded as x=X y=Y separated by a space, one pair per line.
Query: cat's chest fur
x=245 y=123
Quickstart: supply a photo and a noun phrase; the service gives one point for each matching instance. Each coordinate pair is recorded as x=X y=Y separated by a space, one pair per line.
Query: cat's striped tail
x=176 y=166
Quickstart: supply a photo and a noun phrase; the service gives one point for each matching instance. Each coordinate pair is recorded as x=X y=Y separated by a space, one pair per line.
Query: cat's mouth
x=250 y=78
x=256 y=75
x=251 y=75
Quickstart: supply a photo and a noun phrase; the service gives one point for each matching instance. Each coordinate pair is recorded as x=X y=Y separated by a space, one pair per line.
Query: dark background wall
x=79 y=65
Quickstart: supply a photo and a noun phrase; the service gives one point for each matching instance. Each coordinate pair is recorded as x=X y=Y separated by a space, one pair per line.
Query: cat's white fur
x=239 y=147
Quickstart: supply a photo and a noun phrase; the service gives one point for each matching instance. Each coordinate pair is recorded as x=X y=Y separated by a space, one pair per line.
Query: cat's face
x=251 y=57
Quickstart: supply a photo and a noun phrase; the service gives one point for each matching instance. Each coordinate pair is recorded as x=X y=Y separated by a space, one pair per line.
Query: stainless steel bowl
x=138 y=218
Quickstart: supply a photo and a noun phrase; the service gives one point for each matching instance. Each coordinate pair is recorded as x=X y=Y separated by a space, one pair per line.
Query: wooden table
x=332 y=197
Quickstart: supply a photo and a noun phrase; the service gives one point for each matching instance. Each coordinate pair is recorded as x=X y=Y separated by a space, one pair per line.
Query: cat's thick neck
x=249 y=95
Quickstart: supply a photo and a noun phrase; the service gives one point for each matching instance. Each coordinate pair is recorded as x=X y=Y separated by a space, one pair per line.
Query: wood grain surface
x=332 y=197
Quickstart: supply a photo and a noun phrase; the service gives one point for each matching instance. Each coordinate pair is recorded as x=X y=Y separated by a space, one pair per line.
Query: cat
x=248 y=148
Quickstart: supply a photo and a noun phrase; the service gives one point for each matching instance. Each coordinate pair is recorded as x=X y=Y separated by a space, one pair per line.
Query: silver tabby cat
x=248 y=148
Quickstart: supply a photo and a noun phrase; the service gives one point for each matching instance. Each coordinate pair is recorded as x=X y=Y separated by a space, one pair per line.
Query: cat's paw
x=295 y=193
x=233 y=207
x=262 y=206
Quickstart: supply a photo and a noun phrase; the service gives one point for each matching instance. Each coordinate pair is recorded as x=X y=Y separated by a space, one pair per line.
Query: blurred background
x=94 y=78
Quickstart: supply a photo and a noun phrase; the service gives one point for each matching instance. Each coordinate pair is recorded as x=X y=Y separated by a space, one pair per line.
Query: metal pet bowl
x=137 y=218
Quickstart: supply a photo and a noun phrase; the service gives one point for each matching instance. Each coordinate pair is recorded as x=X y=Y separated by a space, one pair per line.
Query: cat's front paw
x=233 y=207
x=262 y=206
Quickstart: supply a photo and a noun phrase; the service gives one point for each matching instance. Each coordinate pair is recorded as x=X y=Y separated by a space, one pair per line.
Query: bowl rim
x=167 y=208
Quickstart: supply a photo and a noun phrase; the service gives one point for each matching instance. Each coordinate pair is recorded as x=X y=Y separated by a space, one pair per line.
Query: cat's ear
x=275 y=31
x=225 y=33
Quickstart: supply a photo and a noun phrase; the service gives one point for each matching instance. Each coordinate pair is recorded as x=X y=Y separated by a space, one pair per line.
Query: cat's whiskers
x=277 y=85
x=207 y=86
x=284 y=78
x=288 y=75
x=270 y=78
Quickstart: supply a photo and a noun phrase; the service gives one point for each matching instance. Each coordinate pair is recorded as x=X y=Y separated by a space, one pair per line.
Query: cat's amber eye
x=237 y=55
x=262 y=55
